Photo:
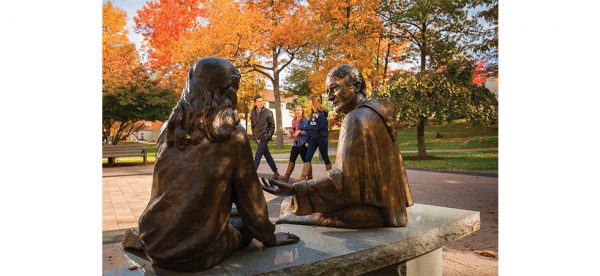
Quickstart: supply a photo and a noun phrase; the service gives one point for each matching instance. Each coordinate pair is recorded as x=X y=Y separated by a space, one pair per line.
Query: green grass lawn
x=463 y=161
x=286 y=147
x=458 y=135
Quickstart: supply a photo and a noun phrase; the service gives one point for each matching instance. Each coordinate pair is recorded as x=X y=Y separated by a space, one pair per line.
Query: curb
x=473 y=173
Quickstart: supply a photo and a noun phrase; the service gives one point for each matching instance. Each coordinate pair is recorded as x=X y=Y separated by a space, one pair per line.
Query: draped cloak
x=187 y=224
x=368 y=186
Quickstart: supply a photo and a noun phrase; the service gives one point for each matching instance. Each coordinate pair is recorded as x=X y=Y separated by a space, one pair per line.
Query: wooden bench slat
x=110 y=151
x=121 y=148
x=124 y=152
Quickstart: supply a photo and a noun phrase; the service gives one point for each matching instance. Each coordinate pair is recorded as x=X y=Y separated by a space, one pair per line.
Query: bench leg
x=426 y=264
x=145 y=159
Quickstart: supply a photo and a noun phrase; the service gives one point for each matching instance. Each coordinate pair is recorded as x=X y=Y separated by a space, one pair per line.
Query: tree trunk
x=278 y=121
x=387 y=58
x=421 y=137
x=423 y=55
x=423 y=120
x=246 y=116
x=115 y=139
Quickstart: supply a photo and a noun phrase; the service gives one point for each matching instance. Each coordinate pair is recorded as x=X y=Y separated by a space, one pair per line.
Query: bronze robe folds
x=186 y=225
x=368 y=187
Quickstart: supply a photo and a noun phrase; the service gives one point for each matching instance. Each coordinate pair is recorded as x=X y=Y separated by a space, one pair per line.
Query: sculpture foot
x=355 y=217
x=131 y=239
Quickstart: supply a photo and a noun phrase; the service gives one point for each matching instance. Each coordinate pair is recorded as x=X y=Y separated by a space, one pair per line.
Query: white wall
x=286 y=117
x=146 y=134
x=492 y=85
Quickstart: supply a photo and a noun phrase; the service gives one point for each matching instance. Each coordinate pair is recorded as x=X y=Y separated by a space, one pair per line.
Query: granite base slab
x=321 y=250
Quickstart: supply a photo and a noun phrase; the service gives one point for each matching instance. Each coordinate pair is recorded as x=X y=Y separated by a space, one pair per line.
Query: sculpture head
x=345 y=88
x=207 y=107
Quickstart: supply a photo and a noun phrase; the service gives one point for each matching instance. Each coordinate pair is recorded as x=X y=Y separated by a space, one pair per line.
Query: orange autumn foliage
x=119 y=57
x=255 y=32
x=351 y=32
x=163 y=23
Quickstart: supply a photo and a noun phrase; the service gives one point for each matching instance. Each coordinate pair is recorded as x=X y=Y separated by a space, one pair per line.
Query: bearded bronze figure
x=204 y=164
x=368 y=186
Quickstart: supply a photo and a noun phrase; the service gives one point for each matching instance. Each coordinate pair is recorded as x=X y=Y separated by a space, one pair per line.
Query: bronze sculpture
x=203 y=164
x=368 y=186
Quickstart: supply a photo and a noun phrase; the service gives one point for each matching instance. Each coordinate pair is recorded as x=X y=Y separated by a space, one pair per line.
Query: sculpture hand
x=276 y=187
x=285 y=238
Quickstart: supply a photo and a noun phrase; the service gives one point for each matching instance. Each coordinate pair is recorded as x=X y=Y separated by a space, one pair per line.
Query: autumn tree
x=348 y=31
x=251 y=86
x=119 y=58
x=277 y=48
x=128 y=92
x=255 y=35
x=438 y=32
x=163 y=24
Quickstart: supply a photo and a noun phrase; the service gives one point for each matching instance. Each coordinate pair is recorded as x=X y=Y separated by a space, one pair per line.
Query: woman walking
x=318 y=130
x=299 y=145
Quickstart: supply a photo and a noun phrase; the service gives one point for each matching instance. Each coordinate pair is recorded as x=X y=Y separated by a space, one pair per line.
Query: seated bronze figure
x=204 y=164
x=368 y=186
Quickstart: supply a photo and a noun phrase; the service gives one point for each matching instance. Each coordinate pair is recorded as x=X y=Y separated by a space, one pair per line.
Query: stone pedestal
x=415 y=249
x=429 y=264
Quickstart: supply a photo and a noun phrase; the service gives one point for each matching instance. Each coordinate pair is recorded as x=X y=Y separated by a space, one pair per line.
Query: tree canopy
x=396 y=44
x=129 y=94
x=443 y=95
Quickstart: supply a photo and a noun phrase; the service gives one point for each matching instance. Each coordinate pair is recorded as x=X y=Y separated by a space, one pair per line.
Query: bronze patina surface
x=204 y=164
x=368 y=186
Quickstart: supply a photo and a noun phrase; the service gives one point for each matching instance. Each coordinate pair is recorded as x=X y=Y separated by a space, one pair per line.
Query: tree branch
x=262 y=66
x=288 y=62
x=259 y=71
x=133 y=129
x=237 y=47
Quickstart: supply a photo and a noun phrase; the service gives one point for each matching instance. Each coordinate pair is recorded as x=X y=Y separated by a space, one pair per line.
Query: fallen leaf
x=487 y=254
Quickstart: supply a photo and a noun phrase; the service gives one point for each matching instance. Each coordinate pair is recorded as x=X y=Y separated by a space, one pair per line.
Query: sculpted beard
x=221 y=123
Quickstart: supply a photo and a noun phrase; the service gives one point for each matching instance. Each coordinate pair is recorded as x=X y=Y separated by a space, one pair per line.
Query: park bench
x=110 y=151
x=412 y=250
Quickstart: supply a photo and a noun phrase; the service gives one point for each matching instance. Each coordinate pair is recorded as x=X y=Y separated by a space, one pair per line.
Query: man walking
x=263 y=127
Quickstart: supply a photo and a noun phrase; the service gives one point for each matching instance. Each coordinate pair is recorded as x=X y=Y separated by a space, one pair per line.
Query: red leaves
x=479 y=76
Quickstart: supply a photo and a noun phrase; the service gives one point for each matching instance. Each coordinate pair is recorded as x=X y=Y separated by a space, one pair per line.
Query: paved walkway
x=283 y=157
x=126 y=191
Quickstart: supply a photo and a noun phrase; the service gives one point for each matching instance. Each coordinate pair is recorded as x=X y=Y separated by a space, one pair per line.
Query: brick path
x=123 y=200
